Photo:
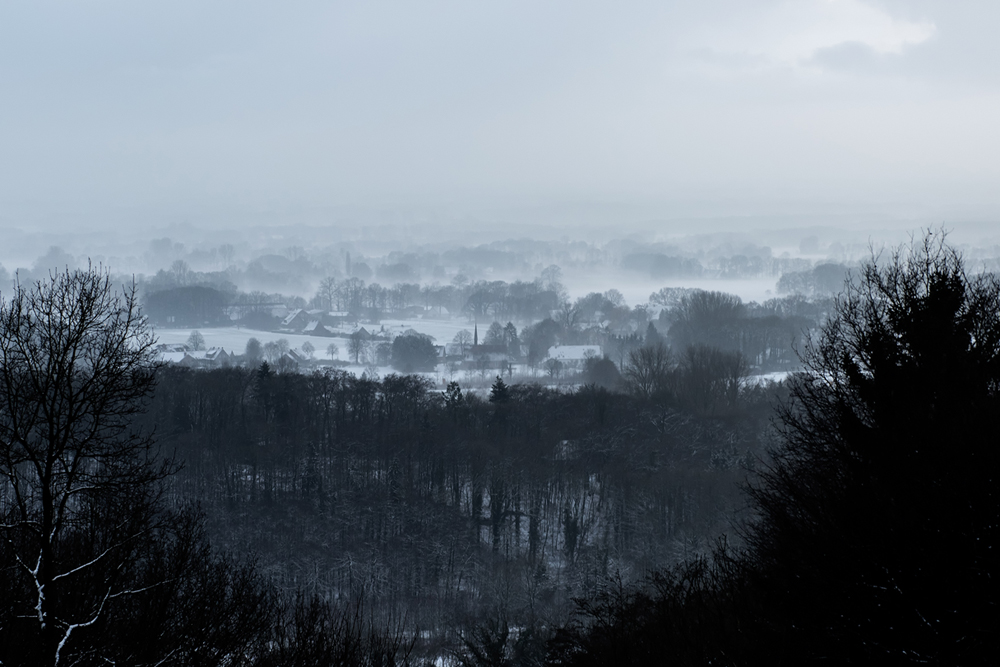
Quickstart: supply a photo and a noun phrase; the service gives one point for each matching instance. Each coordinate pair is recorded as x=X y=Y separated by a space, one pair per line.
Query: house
x=456 y=349
x=218 y=356
x=490 y=351
x=573 y=356
x=214 y=357
x=314 y=328
x=295 y=320
x=294 y=357
x=172 y=357
x=486 y=356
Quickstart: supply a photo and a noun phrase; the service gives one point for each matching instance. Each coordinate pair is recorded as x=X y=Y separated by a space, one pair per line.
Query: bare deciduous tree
x=647 y=371
x=76 y=366
x=464 y=340
x=356 y=345
x=196 y=341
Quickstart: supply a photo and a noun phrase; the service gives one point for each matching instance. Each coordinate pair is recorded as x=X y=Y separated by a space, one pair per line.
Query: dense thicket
x=876 y=528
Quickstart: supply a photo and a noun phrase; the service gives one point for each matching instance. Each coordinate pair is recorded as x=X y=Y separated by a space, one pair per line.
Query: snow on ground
x=443 y=331
x=764 y=378
x=234 y=339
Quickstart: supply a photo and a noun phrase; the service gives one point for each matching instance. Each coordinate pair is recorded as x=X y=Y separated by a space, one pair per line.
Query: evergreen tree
x=499 y=392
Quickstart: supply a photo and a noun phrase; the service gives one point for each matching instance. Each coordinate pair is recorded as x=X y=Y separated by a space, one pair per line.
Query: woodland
x=668 y=510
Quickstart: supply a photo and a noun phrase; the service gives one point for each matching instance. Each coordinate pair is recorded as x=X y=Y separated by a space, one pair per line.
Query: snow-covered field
x=442 y=331
x=234 y=339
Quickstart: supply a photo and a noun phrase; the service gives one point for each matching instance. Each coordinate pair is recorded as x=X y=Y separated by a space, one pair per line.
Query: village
x=314 y=339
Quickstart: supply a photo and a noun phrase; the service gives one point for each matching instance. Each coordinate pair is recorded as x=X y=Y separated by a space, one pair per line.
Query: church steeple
x=475 y=336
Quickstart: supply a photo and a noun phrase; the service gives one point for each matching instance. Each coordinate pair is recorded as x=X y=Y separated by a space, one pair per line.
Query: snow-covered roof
x=574 y=352
x=291 y=316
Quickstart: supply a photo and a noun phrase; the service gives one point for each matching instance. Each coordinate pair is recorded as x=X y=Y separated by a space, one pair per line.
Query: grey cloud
x=117 y=111
x=853 y=56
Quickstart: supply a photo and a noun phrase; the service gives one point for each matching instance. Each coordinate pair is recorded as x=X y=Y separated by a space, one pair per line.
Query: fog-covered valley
x=468 y=438
x=499 y=334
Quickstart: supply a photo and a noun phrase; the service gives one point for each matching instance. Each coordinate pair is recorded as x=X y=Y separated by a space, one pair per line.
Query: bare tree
x=356 y=346
x=196 y=341
x=463 y=339
x=568 y=317
x=326 y=293
x=76 y=366
x=647 y=371
x=275 y=349
x=226 y=254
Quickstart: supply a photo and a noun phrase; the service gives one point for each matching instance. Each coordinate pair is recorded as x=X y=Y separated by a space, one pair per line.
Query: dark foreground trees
x=96 y=567
x=879 y=519
x=875 y=540
x=75 y=368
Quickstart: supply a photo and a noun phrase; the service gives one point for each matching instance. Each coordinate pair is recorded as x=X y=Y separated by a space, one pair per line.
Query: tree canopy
x=413 y=353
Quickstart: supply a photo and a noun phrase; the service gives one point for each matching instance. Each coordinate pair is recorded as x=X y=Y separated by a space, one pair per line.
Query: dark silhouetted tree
x=877 y=540
x=601 y=371
x=413 y=353
x=876 y=523
x=647 y=371
x=76 y=365
x=499 y=392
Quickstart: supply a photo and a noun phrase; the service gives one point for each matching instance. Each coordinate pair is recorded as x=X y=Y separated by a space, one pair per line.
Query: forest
x=678 y=511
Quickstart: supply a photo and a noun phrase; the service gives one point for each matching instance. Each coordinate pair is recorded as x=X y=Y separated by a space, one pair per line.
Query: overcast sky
x=213 y=112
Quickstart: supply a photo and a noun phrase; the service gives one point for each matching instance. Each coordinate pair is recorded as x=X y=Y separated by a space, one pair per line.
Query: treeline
x=758 y=264
x=770 y=336
x=298 y=269
x=433 y=501
x=208 y=302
